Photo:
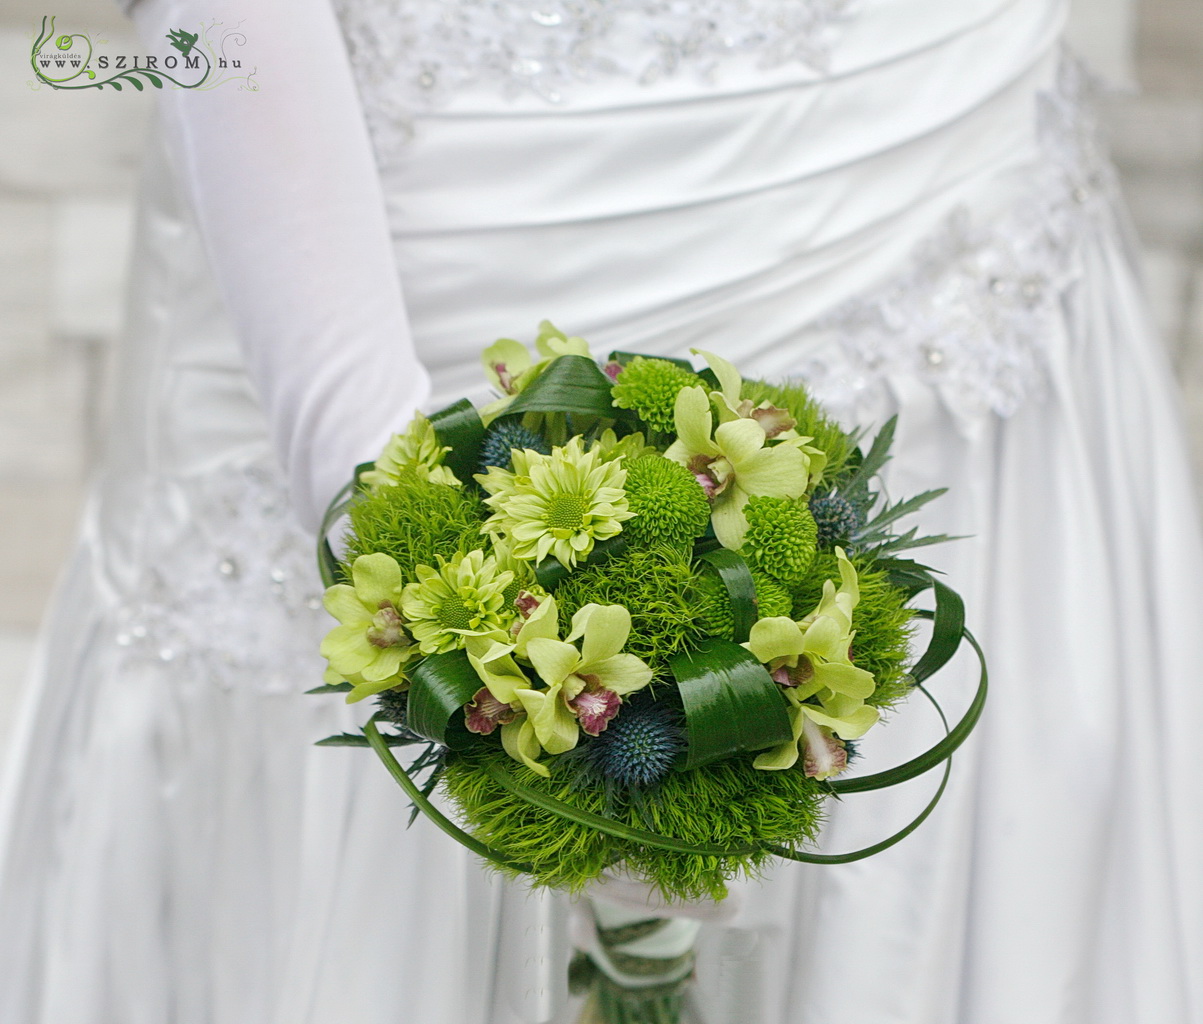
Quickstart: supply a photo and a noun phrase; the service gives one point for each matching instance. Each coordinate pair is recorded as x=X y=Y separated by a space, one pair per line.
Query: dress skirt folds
x=901 y=201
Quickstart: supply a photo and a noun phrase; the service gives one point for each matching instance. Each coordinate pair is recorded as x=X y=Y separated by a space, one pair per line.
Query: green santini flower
x=559 y=504
x=782 y=538
x=667 y=501
x=371 y=643
x=465 y=596
x=650 y=387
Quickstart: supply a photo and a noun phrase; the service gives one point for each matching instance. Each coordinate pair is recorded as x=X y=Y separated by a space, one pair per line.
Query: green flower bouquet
x=632 y=615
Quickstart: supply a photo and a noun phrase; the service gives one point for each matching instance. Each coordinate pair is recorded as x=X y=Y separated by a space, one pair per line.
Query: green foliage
x=414 y=521
x=812 y=421
x=781 y=539
x=728 y=803
x=882 y=622
x=649 y=387
x=657 y=584
x=668 y=503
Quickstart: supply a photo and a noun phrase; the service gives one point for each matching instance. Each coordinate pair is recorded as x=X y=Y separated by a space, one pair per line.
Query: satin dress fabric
x=175 y=852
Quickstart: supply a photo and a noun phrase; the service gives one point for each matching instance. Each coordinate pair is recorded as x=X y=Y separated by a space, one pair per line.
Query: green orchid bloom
x=372 y=642
x=730 y=404
x=416 y=453
x=826 y=692
x=735 y=463
x=511 y=369
x=462 y=597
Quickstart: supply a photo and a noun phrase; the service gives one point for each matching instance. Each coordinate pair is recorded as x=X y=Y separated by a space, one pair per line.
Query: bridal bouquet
x=631 y=614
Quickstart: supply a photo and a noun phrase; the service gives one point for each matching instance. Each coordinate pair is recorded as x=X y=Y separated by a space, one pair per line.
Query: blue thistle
x=836 y=517
x=638 y=747
x=502 y=438
x=393 y=705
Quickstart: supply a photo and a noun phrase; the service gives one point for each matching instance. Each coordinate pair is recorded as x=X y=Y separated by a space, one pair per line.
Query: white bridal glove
x=285 y=190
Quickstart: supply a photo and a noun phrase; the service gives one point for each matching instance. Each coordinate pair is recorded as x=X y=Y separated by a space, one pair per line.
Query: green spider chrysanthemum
x=416 y=454
x=650 y=388
x=559 y=504
x=667 y=500
x=782 y=538
x=463 y=597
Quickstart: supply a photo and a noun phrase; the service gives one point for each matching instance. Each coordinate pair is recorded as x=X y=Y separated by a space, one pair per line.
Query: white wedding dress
x=900 y=200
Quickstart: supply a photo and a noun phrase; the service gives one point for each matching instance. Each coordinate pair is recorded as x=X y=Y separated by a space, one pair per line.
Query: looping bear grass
x=726 y=804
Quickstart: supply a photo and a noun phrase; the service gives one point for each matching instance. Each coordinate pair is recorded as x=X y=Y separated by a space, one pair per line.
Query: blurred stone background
x=68 y=173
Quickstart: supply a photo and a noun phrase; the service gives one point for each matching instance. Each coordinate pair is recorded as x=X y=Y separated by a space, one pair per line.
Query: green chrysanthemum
x=782 y=538
x=463 y=597
x=713 y=604
x=668 y=502
x=559 y=504
x=650 y=387
x=416 y=454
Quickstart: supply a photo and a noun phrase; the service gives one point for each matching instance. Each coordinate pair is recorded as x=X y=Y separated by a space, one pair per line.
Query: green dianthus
x=667 y=501
x=781 y=539
x=650 y=388
x=728 y=804
x=657 y=584
x=415 y=522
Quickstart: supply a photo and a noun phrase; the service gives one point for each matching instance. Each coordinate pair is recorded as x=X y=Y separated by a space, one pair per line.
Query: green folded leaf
x=948 y=627
x=737 y=578
x=731 y=703
x=422 y=802
x=440 y=686
x=460 y=426
x=570 y=384
x=327 y=563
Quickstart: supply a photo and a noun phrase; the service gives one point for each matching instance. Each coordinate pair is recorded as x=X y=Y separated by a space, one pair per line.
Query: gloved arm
x=285 y=189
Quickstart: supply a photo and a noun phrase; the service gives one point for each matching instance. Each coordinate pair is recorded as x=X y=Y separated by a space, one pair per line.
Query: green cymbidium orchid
x=372 y=641
x=584 y=686
x=827 y=693
x=509 y=366
x=735 y=463
x=462 y=597
x=416 y=453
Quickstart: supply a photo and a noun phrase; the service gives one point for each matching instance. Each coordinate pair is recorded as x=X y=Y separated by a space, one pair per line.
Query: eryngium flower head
x=836 y=518
x=668 y=502
x=463 y=597
x=559 y=504
x=639 y=747
x=650 y=388
x=502 y=438
x=781 y=539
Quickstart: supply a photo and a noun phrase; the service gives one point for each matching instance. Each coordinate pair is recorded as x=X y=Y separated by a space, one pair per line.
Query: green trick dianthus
x=728 y=804
x=650 y=387
x=667 y=501
x=415 y=522
x=782 y=538
x=657 y=584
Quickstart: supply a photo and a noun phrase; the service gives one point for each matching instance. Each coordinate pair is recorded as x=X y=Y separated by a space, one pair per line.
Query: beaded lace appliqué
x=973 y=312
x=409 y=55
x=231 y=595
